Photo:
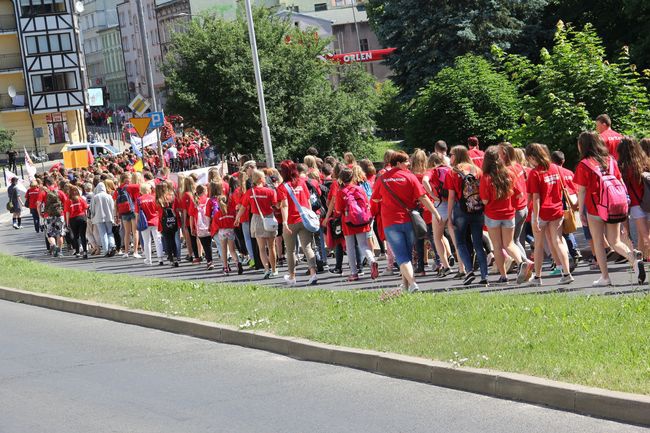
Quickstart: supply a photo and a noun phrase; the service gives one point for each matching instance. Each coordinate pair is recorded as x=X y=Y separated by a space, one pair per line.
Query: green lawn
x=596 y=341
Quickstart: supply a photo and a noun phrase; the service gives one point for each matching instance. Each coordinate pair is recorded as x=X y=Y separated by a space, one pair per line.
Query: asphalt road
x=66 y=373
x=26 y=243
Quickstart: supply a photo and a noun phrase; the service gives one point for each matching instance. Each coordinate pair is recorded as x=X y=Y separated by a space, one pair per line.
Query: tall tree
x=430 y=34
x=209 y=73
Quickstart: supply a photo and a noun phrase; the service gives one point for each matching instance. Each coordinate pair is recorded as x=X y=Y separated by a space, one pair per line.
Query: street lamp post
x=356 y=26
x=144 y=40
x=266 y=132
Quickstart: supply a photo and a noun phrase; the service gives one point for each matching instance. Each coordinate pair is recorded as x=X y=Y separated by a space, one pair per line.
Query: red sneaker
x=374 y=270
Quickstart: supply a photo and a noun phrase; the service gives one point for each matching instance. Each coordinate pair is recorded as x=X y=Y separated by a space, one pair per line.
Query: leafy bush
x=6 y=139
x=571 y=85
x=390 y=112
x=470 y=98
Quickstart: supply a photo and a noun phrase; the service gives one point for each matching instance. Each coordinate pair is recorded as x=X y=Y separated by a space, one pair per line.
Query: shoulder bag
x=310 y=220
x=569 y=223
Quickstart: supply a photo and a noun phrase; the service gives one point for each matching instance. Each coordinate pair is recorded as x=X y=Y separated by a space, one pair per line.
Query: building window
x=320 y=7
x=57 y=128
x=56 y=43
x=364 y=44
x=54 y=82
x=30 y=8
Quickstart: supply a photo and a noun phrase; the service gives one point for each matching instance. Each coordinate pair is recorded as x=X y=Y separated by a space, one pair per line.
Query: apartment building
x=41 y=92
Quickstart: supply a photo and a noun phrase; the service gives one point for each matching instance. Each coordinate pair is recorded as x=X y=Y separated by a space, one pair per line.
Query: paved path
x=66 y=373
x=26 y=243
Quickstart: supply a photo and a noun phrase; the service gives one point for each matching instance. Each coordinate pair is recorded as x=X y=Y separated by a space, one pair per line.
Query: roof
x=340 y=16
x=308 y=16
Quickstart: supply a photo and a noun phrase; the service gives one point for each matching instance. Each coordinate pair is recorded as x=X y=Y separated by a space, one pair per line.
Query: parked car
x=98 y=148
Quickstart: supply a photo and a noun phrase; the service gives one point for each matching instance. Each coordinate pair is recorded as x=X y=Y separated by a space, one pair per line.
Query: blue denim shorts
x=493 y=224
x=128 y=216
x=401 y=239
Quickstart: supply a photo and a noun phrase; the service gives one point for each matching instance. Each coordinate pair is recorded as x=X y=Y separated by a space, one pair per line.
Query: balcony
x=17 y=103
x=11 y=63
x=7 y=24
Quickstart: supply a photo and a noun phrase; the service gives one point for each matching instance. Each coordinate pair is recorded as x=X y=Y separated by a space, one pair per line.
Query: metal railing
x=10 y=61
x=7 y=23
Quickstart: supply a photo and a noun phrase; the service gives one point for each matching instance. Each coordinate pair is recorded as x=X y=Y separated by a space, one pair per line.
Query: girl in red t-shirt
x=147 y=204
x=169 y=221
x=225 y=230
x=187 y=197
x=632 y=162
x=594 y=156
x=348 y=188
x=544 y=184
x=260 y=201
x=32 y=197
x=75 y=215
x=498 y=190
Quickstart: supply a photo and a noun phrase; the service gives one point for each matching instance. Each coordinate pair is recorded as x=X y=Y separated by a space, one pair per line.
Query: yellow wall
x=20 y=122
x=9 y=44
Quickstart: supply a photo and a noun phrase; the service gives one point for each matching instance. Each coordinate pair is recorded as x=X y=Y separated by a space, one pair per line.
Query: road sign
x=157 y=119
x=139 y=105
x=141 y=124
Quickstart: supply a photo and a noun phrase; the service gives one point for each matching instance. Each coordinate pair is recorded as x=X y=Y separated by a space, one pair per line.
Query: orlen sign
x=362 y=56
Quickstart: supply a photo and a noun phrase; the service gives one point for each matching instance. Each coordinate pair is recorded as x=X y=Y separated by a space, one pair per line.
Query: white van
x=97 y=148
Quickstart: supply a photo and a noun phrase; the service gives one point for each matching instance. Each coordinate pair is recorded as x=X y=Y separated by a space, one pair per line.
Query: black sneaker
x=620 y=260
x=503 y=280
x=176 y=264
x=469 y=278
x=240 y=268
x=640 y=271
x=336 y=271
x=483 y=282
x=459 y=276
x=451 y=260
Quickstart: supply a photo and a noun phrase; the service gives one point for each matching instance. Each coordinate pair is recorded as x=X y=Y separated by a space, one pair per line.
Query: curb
x=612 y=405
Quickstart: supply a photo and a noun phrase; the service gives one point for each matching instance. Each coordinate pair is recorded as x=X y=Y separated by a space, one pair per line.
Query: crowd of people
x=461 y=209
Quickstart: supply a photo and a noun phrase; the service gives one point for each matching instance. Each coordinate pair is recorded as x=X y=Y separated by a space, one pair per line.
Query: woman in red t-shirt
x=419 y=169
x=32 y=197
x=632 y=162
x=169 y=221
x=332 y=221
x=260 y=201
x=75 y=215
x=498 y=190
x=594 y=156
x=544 y=183
x=200 y=223
x=348 y=191
x=396 y=189
x=187 y=197
x=147 y=204
x=292 y=222
x=462 y=177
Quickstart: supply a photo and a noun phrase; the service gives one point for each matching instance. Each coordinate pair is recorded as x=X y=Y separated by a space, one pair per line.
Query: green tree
x=470 y=98
x=430 y=34
x=570 y=86
x=6 y=139
x=209 y=73
x=390 y=114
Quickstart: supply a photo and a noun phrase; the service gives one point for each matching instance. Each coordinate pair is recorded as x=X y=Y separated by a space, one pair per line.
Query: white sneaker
x=289 y=281
x=566 y=279
x=414 y=288
x=147 y=262
x=387 y=272
x=137 y=256
x=602 y=282
x=125 y=255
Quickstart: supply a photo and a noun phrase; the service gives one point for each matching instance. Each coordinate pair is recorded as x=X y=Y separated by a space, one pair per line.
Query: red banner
x=362 y=56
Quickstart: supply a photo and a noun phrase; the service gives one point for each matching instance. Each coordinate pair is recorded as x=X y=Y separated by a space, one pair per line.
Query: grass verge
x=595 y=341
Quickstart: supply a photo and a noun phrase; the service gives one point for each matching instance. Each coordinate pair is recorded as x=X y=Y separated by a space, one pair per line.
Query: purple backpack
x=613 y=200
x=357 y=208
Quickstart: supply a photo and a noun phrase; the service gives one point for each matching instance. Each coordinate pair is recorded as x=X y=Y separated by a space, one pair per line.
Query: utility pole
x=266 y=132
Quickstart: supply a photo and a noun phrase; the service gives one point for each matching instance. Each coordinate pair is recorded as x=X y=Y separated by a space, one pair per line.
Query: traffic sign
x=141 y=124
x=157 y=119
x=139 y=105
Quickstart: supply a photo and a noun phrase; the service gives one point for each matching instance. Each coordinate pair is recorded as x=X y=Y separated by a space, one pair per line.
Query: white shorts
x=637 y=213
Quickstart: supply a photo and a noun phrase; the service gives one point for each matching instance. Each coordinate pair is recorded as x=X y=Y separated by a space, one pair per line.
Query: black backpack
x=324 y=193
x=314 y=198
x=169 y=221
x=470 y=200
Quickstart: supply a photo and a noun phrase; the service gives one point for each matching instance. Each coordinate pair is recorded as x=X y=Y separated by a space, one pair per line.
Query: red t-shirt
x=301 y=192
x=546 y=183
x=611 y=139
x=32 y=196
x=334 y=190
x=426 y=215
x=404 y=185
x=585 y=176
x=148 y=205
x=454 y=182
x=634 y=188
x=224 y=219
x=477 y=156
x=437 y=176
x=519 y=200
x=341 y=204
x=77 y=208
x=567 y=178
x=236 y=200
x=265 y=198
x=497 y=208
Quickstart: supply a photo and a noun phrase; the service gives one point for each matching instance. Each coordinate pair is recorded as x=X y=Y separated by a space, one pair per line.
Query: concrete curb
x=617 y=406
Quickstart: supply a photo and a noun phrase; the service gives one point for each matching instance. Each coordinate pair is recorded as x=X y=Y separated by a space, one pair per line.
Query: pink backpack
x=613 y=201
x=357 y=209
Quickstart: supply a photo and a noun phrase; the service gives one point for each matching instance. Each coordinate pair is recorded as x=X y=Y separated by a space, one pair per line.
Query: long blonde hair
x=419 y=161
